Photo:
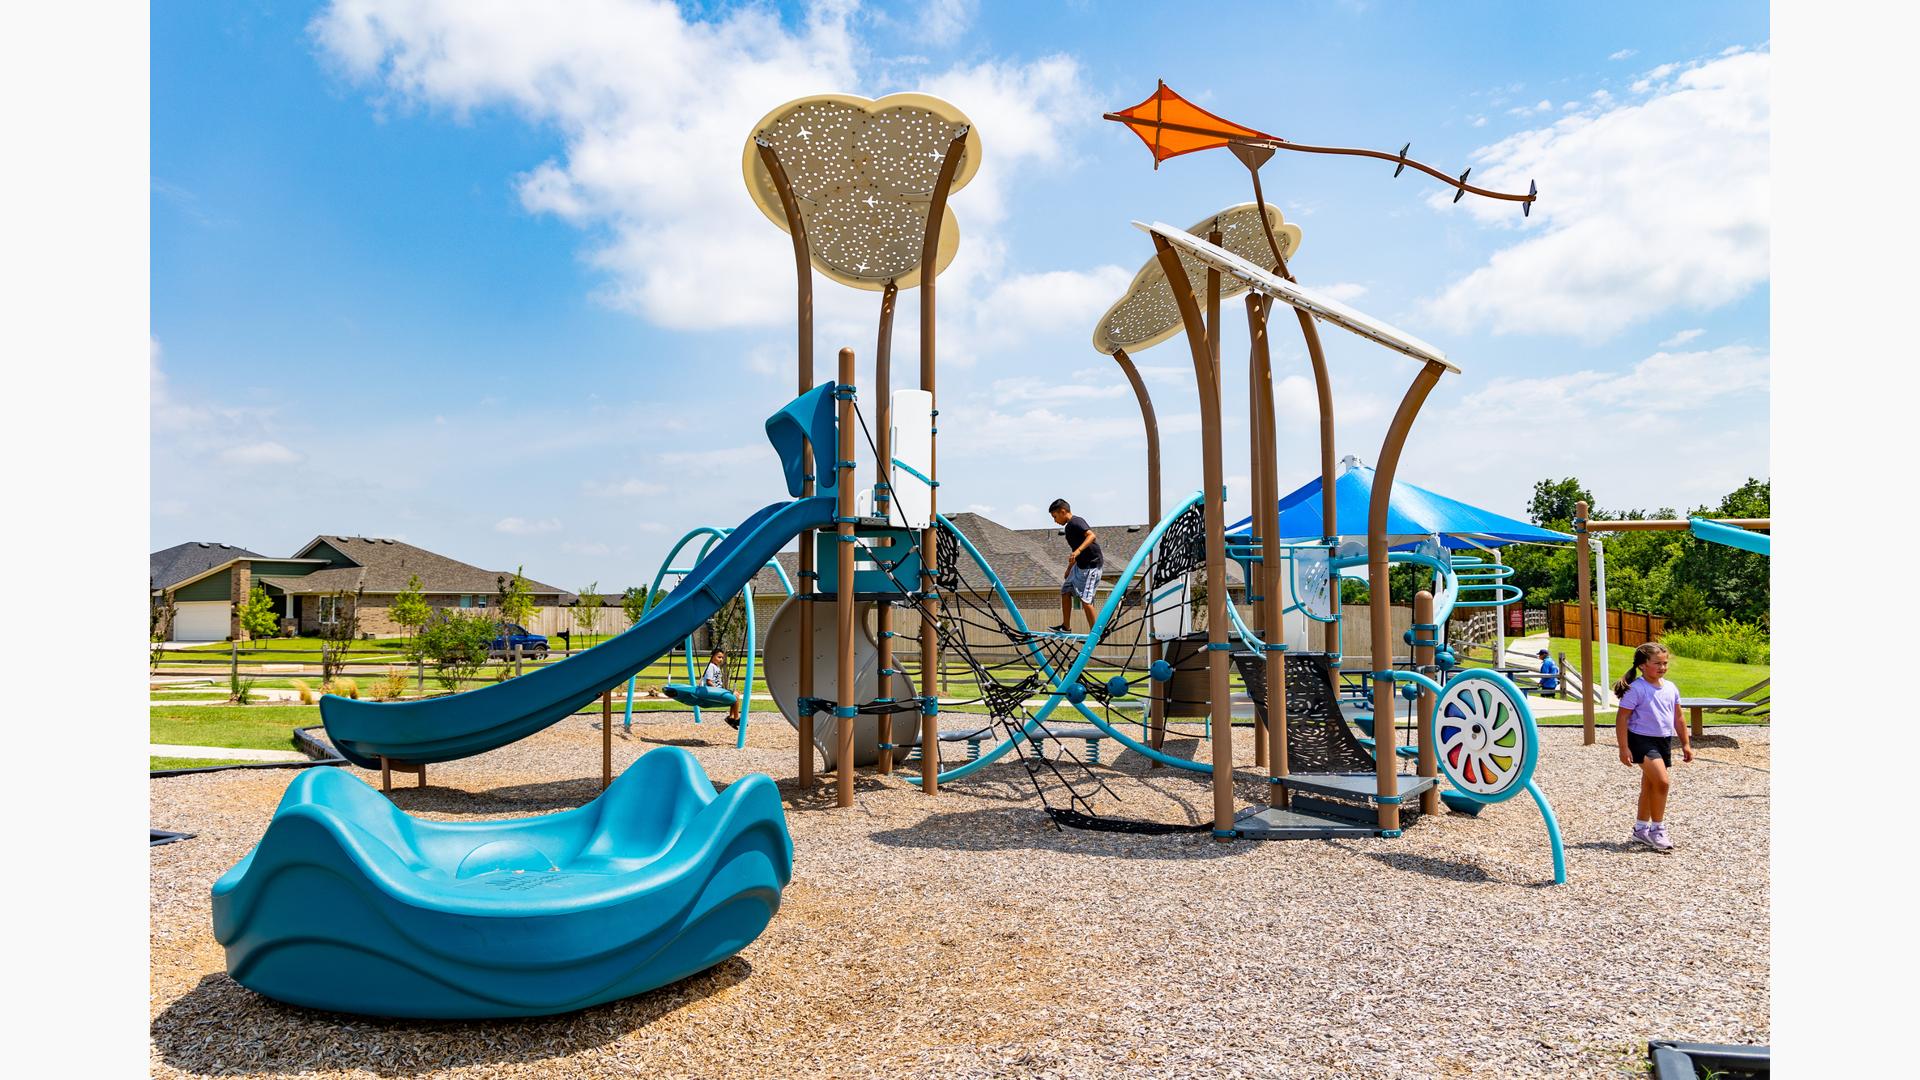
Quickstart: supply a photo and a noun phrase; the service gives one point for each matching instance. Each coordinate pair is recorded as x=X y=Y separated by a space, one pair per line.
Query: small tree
x=586 y=610
x=159 y=628
x=457 y=645
x=634 y=603
x=337 y=632
x=410 y=608
x=516 y=597
x=257 y=616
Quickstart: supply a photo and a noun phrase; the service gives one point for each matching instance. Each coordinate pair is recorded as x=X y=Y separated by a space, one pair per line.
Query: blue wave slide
x=349 y=904
x=462 y=725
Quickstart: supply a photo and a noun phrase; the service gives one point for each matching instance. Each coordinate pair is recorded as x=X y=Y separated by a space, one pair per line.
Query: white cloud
x=259 y=453
x=573 y=547
x=654 y=108
x=1343 y=291
x=1681 y=338
x=1543 y=105
x=1643 y=208
x=712 y=460
x=1025 y=388
x=515 y=526
x=1657 y=387
x=1622 y=54
x=943 y=21
x=1478 y=121
x=620 y=488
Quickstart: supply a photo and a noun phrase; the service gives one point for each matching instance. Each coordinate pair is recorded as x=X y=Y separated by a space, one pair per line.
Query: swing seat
x=705 y=697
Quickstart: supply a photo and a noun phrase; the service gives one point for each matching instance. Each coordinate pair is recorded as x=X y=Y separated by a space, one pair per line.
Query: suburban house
x=208 y=582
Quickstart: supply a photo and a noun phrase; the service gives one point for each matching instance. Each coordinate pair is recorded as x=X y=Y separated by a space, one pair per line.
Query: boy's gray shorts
x=1081 y=581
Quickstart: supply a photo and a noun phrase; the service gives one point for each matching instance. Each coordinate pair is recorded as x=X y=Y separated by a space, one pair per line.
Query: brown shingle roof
x=1023 y=558
x=385 y=565
x=170 y=566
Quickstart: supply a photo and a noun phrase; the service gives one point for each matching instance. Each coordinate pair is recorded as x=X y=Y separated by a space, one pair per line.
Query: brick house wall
x=241 y=584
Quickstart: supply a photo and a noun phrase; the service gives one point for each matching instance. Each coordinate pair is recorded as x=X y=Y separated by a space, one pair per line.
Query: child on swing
x=1649 y=718
x=716 y=678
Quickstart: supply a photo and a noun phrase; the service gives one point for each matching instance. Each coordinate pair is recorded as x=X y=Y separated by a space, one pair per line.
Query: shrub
x=306 y=692
x=1725 y=640
x=240 y=690
x=344 y=687
x=391 y=685
x=457 y=645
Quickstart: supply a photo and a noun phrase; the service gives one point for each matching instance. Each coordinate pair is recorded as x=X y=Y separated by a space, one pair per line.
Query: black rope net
x=1014 y=668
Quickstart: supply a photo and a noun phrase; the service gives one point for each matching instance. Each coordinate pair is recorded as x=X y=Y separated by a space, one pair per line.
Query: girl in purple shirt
x=1648 y=720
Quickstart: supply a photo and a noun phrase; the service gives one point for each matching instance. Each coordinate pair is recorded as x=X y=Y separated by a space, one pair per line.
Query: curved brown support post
x=803 y=271
x=930 y=606
x=848 y=694
x=1207 y=373
x=1157 y=701
x=1266 y=522
x=883 y=498
x=1380 y=600
x=1323 y=395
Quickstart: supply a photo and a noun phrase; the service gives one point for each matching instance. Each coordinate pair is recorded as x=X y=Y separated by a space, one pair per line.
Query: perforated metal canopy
x=1147 y=315
x=1317 y=304
x=863 y=173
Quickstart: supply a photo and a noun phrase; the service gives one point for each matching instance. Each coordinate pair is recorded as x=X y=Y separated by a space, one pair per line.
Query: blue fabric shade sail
x=1413 y=514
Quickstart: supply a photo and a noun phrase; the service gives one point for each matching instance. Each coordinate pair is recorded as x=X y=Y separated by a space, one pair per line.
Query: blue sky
x=489 y=280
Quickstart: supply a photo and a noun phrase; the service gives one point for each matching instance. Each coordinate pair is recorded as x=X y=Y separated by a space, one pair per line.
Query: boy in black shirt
x=1083 y=565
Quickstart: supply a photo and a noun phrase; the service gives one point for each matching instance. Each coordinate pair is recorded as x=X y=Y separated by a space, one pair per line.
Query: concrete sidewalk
x=222 y=753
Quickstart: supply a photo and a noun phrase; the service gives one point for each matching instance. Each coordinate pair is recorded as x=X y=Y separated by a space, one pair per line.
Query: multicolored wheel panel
x=1485 y=736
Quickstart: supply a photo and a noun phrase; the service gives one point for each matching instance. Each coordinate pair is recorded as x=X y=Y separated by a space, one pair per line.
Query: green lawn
x=251 y=727
x=1696 y=678
x=156 y=763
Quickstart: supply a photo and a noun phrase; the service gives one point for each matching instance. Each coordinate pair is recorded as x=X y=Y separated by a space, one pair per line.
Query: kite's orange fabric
x=1171 y=125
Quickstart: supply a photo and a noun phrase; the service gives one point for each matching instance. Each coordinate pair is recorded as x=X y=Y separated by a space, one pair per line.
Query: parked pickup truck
x=532 y=646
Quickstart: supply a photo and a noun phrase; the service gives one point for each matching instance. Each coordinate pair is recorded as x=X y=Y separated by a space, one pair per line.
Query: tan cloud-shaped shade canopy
x=863 y=173
x=1147 y=314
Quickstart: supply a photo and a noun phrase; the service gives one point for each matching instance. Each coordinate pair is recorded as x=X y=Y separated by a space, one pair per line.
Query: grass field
x=154 y=763
x=251 y=727
x=1696 y=678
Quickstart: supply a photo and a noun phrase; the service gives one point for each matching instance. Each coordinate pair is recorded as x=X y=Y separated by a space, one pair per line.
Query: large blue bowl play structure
x=349 y=904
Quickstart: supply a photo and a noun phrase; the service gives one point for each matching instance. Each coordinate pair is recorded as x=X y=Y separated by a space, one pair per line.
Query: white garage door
x=206 y=620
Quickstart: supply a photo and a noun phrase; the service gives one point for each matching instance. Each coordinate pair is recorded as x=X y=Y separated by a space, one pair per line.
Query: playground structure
x=861 y=187
x=693 y=692
x=1746 y=534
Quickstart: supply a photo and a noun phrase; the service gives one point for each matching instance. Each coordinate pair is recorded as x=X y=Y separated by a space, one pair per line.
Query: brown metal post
x=1266 y=521
x=1386 y=765
x=1152 y=426
x=1157 y=701
x=1582 y=548
x=606 y=740
x=882 y=504
x=1429 y=765
x=1207 y=374
x=803 y=272
x=849 y=694
x=1323 y=395
x=929 y=541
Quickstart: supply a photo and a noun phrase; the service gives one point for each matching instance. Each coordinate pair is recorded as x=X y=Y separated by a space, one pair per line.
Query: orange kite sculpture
x=1170 y=125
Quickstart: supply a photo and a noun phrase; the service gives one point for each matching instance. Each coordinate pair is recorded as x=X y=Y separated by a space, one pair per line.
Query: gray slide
x=782 y=658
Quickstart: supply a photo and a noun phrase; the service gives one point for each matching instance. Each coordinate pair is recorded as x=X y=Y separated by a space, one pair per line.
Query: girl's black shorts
x=1660 y=746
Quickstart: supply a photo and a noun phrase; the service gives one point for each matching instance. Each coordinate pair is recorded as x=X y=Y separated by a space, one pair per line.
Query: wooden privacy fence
x=1623 y=627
